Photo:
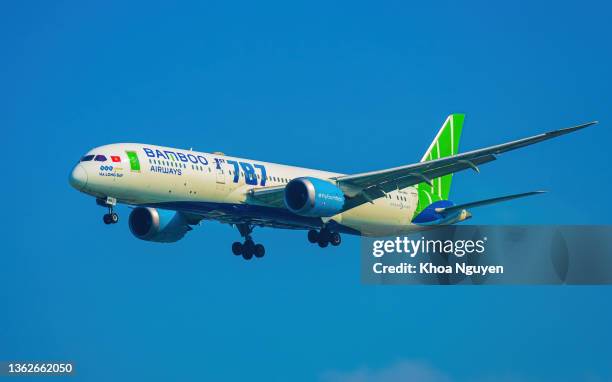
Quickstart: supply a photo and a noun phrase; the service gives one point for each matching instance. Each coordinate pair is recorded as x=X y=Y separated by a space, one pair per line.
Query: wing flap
x=398 y=181
x=268 y=196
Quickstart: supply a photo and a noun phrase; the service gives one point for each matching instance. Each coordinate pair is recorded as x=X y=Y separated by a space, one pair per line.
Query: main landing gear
x=324 y=237
x=248 y=249
x=111 y=217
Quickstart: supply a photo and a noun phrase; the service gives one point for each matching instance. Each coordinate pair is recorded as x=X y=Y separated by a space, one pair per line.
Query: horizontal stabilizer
x=486 y=201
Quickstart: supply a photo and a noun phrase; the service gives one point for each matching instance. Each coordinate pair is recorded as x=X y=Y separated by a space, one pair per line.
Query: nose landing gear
x=324 y=237
x=248 y=249
x=111 y=217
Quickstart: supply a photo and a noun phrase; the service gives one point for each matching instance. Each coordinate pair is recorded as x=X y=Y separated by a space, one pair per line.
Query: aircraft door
x=220 y=174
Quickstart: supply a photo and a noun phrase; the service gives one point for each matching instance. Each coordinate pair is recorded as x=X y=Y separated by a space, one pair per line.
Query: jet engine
x=162 y=226
x=313 y=197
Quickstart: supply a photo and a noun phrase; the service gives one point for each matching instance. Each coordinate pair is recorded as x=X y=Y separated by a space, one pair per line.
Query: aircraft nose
x=78 y=177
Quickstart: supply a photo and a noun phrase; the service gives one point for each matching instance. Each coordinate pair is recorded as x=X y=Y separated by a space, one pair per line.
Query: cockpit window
x=100 y=158
x=87 y=158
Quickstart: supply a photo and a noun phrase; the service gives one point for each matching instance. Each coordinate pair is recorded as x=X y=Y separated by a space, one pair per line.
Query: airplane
x=171 y=190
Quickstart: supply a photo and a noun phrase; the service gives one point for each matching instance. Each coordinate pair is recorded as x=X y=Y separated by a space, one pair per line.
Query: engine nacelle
x=313 y=197
x=153 y=224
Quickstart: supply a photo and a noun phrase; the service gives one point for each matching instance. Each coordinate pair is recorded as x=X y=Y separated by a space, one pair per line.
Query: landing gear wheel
x=323 y=243
x=324 y=234
x=237 y=248
x=110 y=217
x=313 y=236
x=335 y=239
x=248 y=249
x=259 y=251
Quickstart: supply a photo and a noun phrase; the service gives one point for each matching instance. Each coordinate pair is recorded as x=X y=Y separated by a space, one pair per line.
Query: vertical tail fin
x=445 y=144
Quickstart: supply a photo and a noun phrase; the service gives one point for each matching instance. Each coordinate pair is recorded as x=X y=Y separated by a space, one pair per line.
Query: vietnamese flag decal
x=115 y=158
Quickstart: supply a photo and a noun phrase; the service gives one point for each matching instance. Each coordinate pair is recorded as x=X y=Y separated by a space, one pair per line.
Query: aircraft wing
x=364 y=187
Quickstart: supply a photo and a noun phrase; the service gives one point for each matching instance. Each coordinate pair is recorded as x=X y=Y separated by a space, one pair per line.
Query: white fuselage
x=139 y=174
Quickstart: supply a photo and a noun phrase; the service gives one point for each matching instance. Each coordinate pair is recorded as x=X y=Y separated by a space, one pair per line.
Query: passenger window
x=100 y=158
x=87 y=158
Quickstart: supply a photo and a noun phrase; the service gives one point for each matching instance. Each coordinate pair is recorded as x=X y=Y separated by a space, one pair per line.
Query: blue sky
x=348 y=87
